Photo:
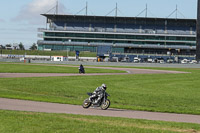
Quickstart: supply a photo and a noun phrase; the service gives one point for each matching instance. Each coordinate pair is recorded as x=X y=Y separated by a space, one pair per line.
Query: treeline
x=19 y=46
x=19 y=49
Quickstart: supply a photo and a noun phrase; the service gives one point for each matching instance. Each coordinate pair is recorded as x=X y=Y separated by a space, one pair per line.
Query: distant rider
x=81 y=69
x=99 y=92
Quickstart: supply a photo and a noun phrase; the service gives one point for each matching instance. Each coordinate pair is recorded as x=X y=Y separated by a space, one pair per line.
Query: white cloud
x=31 y=12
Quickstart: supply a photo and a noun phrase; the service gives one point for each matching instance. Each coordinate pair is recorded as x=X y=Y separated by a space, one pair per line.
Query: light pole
x=1 y=50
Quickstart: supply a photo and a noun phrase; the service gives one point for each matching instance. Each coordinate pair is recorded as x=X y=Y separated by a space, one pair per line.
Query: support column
x=198 y=33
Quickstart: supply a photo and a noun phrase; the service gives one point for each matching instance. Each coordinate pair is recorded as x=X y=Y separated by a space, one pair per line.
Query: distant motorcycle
x=104 y=103
x=81 y=71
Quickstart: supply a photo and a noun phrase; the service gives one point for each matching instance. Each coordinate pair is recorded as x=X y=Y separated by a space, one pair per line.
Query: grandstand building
x=120 y=34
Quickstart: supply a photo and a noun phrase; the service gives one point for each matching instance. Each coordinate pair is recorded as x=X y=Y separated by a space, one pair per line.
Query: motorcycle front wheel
x=105 y=105
x=86 y=104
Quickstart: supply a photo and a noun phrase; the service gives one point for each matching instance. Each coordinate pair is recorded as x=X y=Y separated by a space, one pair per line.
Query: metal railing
x=183 y=33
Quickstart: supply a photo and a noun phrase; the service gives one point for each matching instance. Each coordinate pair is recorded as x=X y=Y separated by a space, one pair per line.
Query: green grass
x=39 y=68
x=30 y=122
x=177 y=93
x=47 y=53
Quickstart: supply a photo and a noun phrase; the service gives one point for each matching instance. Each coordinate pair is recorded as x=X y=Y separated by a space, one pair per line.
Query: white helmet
x=104 y=86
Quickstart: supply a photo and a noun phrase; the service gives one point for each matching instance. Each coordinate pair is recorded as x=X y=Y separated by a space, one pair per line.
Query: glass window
x=49 y=34
x=99 y=35
x=79 y=35
x=89 y=35
x=109 y=36
x=60 y=34
x=120 y=36
x=69 y=34
x=48 y=46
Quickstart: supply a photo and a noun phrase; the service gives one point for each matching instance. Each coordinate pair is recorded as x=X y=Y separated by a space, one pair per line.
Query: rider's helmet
x=104 y=86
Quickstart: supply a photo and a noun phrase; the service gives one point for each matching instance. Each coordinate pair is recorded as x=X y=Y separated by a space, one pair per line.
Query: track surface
x=22 y=105
x=128 y=70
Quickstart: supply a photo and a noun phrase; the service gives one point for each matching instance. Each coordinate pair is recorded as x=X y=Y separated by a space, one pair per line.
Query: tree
x=8 y=45
x=21 y=46
x=2 y=47
x=33 y=47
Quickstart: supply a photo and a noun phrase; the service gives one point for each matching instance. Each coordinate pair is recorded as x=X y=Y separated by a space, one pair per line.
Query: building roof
x=63 y=16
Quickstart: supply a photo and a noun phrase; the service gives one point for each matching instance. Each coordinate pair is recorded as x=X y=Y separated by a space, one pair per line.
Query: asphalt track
x=23 y=105
x=128 y=71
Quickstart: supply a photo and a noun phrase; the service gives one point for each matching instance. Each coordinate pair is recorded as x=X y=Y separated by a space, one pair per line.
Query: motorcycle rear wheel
x=86 y=104
x=105 y=105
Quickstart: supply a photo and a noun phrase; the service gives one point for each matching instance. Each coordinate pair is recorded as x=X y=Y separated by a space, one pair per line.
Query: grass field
x=30 y=122
x=177 y=93
x=39 y=68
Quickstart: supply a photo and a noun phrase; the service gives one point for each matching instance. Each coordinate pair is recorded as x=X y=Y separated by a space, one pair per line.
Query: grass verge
x=31 y=122
x=39 y=68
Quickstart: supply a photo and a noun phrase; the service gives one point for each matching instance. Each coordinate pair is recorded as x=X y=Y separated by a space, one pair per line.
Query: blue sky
x=19 y=19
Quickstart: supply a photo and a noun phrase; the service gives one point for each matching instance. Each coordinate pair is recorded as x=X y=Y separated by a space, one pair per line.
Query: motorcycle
x=104 y=103
x=81 y=71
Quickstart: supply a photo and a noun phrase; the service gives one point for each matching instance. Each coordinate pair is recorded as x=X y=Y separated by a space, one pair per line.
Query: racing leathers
x=99 y=92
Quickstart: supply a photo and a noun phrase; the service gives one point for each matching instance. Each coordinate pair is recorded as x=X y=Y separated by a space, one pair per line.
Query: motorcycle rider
x=99 y=92
x=81 y=69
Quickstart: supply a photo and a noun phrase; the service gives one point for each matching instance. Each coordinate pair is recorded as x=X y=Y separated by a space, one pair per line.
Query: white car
x=170 y=61
x=185 y=61
x=136 y=60
x=193 y=62
x=149 y=60
x=161 y=61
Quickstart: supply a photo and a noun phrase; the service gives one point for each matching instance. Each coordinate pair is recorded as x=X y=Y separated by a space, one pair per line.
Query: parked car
x=149 y=60
x=136 y=60
x=170 y=61
x=193 y=62
x=185 y=61
x=161 y=61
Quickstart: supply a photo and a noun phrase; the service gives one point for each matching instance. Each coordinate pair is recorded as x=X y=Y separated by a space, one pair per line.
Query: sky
x=20 y=19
